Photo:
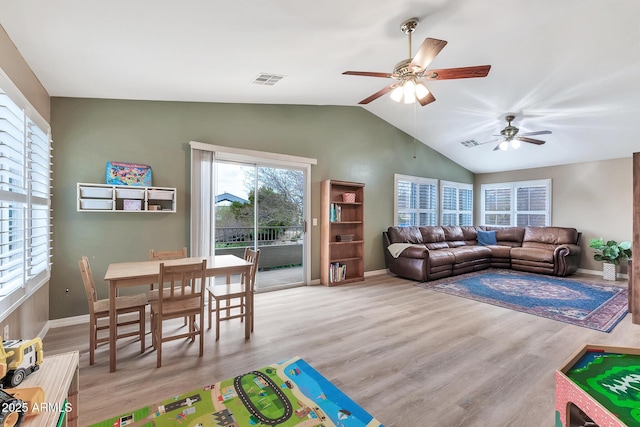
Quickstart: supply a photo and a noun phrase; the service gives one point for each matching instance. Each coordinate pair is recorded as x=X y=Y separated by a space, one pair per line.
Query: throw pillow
x=486 y=238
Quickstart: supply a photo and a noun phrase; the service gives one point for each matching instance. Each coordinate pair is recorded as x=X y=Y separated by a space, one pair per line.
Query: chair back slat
x=87 y=280
x=188 y=278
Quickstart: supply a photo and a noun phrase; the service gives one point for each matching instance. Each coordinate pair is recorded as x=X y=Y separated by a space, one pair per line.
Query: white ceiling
x=568 y=66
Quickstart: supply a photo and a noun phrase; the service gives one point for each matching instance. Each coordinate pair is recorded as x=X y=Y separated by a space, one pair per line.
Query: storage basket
x=344 y=238
x=349 y=197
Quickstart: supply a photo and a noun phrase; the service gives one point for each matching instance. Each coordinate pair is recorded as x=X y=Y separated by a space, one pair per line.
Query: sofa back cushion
x=409 y=234
x=454 y=236
x=549 y=237
x=433 y=237
x=510 y=236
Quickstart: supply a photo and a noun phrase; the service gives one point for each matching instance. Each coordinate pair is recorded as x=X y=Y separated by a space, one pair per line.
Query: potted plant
x=611 y=253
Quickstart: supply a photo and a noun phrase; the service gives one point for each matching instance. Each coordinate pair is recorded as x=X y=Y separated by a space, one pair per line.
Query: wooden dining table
x=127 y=274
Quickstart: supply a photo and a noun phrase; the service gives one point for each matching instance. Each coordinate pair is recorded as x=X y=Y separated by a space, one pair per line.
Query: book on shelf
x=337 y=272
x=335 y=213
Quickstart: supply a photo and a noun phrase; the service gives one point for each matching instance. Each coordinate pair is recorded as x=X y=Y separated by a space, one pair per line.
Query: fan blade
x=366 y=73
x=497 y=147
x=531 y=140
x=427 y=99
x=540 y=132
x=428 y=50
x=457 y=73
x=377 y=95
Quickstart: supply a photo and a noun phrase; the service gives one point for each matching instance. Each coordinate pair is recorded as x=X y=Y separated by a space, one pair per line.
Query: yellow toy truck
x=19 y=358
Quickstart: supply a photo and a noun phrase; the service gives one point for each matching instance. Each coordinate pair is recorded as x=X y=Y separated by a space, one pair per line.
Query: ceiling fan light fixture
x=397 y=93
x=504 y=145
x=515 y=144
x=421 y=91
x=409 y=92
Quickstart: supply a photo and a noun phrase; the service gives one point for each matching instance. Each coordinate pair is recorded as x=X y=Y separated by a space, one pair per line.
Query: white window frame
x=513 y=212
x=397 y=211
x=26 y=266
x=457 y=211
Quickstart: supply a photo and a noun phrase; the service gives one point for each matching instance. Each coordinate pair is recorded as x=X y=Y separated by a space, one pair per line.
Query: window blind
x=517 y=203
x=457 y=203
x=25 y=194
x=415 y=200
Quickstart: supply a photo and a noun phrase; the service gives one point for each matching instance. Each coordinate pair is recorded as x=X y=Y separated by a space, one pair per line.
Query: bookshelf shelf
x=342 y=261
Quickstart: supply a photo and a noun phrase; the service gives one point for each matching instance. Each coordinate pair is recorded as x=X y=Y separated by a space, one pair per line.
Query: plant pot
x=609 y=271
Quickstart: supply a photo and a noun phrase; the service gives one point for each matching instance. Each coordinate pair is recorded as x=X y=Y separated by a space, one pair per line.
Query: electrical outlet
x=5 y=336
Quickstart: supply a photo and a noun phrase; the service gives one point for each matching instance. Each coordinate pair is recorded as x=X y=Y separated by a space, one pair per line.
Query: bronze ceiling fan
x=511 y=136
x=410 y=71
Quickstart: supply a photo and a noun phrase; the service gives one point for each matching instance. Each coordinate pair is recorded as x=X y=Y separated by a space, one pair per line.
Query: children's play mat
x=285 y=394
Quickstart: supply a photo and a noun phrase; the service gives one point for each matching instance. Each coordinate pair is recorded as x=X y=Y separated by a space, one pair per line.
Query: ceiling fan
x=511 y=137
x=408 y=72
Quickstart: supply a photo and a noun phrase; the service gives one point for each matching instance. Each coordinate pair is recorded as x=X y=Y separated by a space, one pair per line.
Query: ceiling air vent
x=470 y=143
x=267 y=79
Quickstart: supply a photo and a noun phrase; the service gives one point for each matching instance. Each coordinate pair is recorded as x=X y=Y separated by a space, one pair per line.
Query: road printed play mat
x=285 y=394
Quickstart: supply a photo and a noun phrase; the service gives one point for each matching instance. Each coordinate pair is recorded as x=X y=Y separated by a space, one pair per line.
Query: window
x=415 y=200
x=25 y=193
x=456 y=200
x=517 y=203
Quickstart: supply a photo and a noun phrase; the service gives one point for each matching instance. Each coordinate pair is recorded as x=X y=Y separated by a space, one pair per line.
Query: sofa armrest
x=415 y=252
x=566 y=259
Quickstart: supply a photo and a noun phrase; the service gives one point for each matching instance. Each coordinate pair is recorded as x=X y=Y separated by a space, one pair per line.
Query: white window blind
x=457 y=203
x=415 y=200
x=517 y=203
x=25 y=194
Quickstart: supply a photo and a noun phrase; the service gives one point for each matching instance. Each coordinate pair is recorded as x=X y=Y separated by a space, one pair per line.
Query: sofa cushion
x=486 y=238
x=454 y=236
x=499 y=251
x=409 y=234
x=438 y=245
x=551 y=235
x=432 y=234
x=469 y=232
x=532 y=254
x=510 y=234
x=441 y=257
x=470 y=253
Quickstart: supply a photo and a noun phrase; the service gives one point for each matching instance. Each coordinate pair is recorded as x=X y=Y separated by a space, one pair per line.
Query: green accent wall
x=349 y=143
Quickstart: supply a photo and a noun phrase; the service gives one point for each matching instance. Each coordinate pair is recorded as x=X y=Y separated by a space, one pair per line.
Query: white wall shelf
x=124 y=198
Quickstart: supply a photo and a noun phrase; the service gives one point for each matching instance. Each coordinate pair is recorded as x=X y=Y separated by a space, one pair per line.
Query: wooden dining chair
x=164 y=255
x=99 y=309
x=183 y=297
x=233 y=295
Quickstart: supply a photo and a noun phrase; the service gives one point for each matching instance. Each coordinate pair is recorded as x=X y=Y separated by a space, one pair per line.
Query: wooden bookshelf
x=341 y=233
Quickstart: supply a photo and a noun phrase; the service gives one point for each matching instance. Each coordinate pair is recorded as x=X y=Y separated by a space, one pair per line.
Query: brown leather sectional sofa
x=434 y=252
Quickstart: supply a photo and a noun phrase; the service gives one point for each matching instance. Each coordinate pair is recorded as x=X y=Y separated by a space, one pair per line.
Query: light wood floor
x=409 y=356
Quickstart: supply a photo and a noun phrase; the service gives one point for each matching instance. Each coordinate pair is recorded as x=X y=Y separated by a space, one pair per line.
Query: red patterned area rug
x=578 y=302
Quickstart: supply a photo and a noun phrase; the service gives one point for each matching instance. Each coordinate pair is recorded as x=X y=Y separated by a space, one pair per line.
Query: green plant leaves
x=611 y=251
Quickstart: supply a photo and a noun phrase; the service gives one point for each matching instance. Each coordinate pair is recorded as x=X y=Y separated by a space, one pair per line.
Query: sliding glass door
x=262 y=206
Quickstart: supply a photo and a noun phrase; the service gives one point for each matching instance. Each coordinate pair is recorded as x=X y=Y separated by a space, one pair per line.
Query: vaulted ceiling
x=568 y=66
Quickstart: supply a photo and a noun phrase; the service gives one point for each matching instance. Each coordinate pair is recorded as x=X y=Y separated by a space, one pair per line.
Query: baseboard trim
x=44 y=330
x=82 y=319
x=375 y=272
x=599 y=273
x=68 y=321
